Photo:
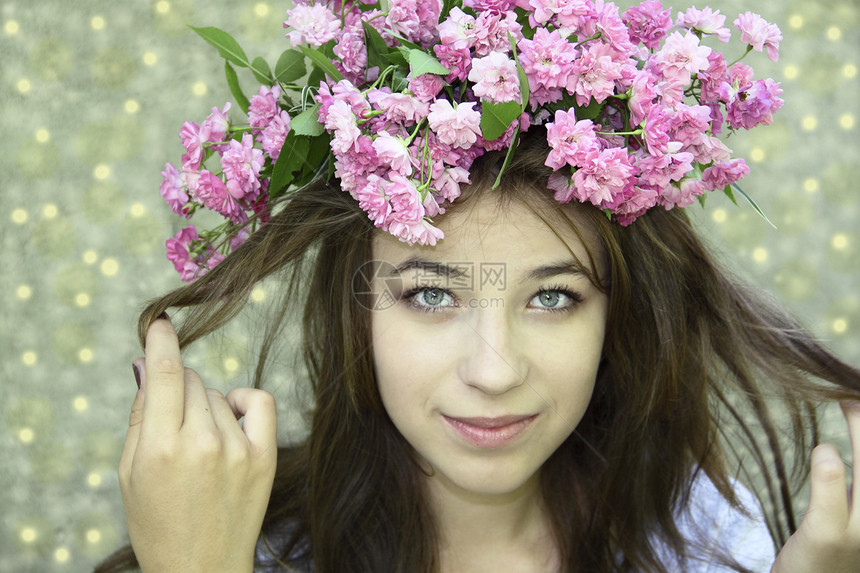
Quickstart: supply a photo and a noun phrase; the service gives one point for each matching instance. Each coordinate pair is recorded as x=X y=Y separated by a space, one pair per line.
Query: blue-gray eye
x=434 y=297
x=549 y=299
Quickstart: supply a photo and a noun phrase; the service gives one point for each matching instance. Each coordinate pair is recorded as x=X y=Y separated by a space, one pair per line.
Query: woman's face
x=486 y=346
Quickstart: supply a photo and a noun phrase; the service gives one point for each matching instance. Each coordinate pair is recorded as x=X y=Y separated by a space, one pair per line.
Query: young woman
x=543 y=389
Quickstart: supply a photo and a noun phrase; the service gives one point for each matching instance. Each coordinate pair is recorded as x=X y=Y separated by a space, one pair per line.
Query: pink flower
x=458 y=60
x=756 y=105
x=421 y=232
x=406 y=205
x=194 y=138
x=178 y=252
x=603 y=176
x=758 y=33
x=313 y=24
x=457 y=126
x=594 y=74
x=393 y=152
x=547 y=60
x=217 y=124
x=572 y=142
x=447 y=181
x=264 y=106
x=688 y=124
x=576 y=16
x=705 y=21
x=402 y=19
x=241 y=164
x=632 y=202
x=681 y=195
x=426 y=86
x=214 y=195
x=681 y=57
x=642 y=94
x=173 y=190
x=495 y=78
x=399 y=107
x=660 y=171
x=614 y=33
x=648 y=23
x=352 y=53
x=371 y=198
x=458 y=30
x=272 y=138
x=490 y=5
x=656 y=132
x=342 y=124
x=491 y=32
x=726 y=173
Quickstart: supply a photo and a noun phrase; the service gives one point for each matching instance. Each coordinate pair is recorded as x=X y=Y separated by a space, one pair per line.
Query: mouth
x=490 y=432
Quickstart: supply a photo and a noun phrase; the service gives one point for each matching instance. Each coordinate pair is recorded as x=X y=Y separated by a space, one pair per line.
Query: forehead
x=489 y=230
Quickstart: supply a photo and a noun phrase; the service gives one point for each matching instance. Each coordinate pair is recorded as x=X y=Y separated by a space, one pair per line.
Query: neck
x=476 y=527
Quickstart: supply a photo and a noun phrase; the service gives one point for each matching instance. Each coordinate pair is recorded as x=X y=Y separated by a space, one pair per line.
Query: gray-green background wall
x=92 y=96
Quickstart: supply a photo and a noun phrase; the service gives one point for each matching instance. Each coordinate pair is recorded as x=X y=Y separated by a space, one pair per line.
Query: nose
x=492 y=360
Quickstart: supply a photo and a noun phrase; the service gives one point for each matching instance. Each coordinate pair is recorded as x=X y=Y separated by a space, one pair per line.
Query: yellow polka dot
x=24 y=85
x=43 y=135
x=24 y=292
x=29 y=358
x=29 y=535
x=131 y=106
x=11 y=27
x=790 y=72
x=757 y=154
x=110 y=267
x=846 y=121
x=80 y=404
x=849 y=70
x=94 y=535
x=258 y=295
x=811 y=185
x=162 y=7
x=839 y=242
x=199 y=89
x=101 y=172
x=50 y=211
x=61 y=555
x=719 y=215
x=150 y=59
x=90 y=257
x=760 y=255
x=85 y=355
x=261 y=9
x=795 y=21
x=137 y=210
x=97 y=23
x=840 y=325
x=231 y=364
x=809 y=123
x=19 y=216
x=94 y=480
x=834 y=33
x=82 y=299
x=26 y=435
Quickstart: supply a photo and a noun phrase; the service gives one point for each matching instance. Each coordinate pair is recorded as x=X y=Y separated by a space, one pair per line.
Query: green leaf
x=322 y=62
x=235 y=88
x=260 y=69
x=377 y=49
x=320 y=147
x=316 y=77
x=728 y=192
x=420 y=62
x=496 y=117
x=591 y=111
x=292 y=157
x=228 y=47
x=290 y=67
x=508 y=157
x=521 y=73
x=307 y=122
x=753 y=203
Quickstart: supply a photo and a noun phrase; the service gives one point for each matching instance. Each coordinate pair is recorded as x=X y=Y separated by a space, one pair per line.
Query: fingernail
x=136 y=375
x=162 y=315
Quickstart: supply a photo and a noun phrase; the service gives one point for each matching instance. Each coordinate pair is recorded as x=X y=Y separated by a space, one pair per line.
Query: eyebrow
x=538 y=273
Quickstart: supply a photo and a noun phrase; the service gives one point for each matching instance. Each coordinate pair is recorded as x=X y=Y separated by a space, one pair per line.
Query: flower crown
x=400 y=102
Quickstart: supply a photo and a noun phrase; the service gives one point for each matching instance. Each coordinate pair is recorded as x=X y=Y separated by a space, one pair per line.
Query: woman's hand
x=828 y=539
x=195 y=483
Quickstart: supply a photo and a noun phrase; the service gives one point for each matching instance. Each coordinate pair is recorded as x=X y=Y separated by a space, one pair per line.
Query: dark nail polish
x=163 y=315
x=136 y=375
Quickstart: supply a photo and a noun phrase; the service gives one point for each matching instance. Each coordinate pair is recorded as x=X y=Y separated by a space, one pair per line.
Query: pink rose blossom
x=406 y=206
x=491 y=32
x=352 y=55
x=759 y=34
x=264 y=106
x=603 y=176
x=173 y=189
x=402 y=19
x=726 y=173
x=660 y=171
x=648 y=23
x=393 y=152
x=490 y=5
x=447 y=181
x=614 y=33
x=572 y=142
x=458 y=30
x=458 y=60
x=421 y=232
x=575 y=16
x=241 y=164
x=426 y=86
x=341 y=123
x=756 y=105
x=656 y=132
x=314 y=24
x=594 y=74
x=688 y=124
x=272 y=138
x=178 y=252
x=218 y=125
x=194 y=138
x=371 y=198
x=705 y=21
x=632 y=203
x=681 y=195
x=547 y=60
x=457 y=126
x=682 y=56
x=495 y=78
x=642 y=94
x=214 y=195
x=399 y=107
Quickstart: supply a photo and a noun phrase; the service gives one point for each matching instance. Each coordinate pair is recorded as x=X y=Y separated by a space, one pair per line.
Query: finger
x=198 y=412
x=163 y=410
x=225 y=417
x=851 y=410
x=828 y=497
x=134 y=420
x=261 y=420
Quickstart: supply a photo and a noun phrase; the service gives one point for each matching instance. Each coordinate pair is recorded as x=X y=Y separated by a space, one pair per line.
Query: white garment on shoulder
x=712 y=522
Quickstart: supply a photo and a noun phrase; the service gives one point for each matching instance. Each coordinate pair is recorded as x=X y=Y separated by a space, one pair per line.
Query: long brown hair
x=697 y=367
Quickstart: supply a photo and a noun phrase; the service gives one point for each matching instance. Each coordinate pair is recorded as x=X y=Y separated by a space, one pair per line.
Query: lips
x=490 y=432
